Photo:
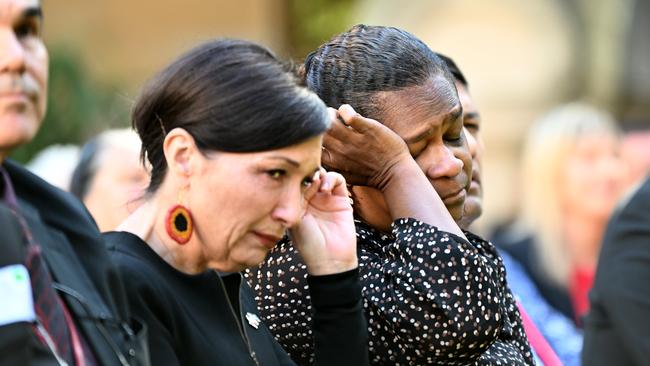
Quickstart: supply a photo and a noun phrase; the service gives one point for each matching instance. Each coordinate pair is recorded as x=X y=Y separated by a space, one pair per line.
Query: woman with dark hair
x=432 y=293
x=234 y=145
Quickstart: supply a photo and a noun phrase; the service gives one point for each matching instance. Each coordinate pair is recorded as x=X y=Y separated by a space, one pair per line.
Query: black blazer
x=19 y=344
x=617 y=329
x=78 y=261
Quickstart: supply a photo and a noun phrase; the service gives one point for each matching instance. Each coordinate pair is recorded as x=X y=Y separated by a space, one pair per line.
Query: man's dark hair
x=454 y=69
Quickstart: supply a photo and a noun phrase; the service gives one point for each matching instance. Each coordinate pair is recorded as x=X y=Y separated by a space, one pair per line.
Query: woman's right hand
x=326 y=236
x=363 y=150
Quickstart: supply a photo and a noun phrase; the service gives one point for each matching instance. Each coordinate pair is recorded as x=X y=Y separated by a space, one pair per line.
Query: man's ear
x=180 y=151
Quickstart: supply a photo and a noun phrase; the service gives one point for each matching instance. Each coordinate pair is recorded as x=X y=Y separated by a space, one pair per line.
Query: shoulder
x=130 y=254
x=56 y=207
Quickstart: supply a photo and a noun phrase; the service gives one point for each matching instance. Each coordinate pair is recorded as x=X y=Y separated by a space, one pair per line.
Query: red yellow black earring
x=179 y=223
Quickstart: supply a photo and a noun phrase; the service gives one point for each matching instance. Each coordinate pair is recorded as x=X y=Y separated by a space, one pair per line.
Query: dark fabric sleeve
x=340 y=331
x=621 y=285
x=433 y=293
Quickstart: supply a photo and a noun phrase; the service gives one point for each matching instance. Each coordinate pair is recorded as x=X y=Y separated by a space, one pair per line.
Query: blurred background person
x=572 y=179
x=635 y=150
x=109 y=178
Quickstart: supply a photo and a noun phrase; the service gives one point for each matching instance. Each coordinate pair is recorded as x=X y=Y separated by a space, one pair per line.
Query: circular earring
x=179 y=223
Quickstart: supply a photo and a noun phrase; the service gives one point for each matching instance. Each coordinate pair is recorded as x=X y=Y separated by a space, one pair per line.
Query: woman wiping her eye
x=235 y=145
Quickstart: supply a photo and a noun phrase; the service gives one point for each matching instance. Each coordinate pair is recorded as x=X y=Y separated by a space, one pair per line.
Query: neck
x=148 y=223
x=369 y=204
x=583 y=236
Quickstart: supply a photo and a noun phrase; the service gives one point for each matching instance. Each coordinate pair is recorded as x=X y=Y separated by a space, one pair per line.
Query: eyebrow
x=290 y=161
x=472 y=115
x=33 y=11
x=453 y=115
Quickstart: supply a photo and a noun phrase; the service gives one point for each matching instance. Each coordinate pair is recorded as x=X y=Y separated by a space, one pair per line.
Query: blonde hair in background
x=548 y=145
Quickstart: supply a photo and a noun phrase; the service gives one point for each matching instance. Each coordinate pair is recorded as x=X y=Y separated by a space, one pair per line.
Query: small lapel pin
x=253 y=320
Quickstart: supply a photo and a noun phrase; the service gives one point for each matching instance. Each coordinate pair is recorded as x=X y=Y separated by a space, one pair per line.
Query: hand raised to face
x=363 y=150
x=326 y=237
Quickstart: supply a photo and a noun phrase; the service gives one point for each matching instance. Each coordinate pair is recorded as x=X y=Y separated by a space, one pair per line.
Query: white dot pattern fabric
x=430 y=297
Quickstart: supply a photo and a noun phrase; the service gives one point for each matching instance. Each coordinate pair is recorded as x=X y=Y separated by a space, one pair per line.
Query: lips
x=267 y=240
x=17 y=88
x=455 y=198
x=15 y=97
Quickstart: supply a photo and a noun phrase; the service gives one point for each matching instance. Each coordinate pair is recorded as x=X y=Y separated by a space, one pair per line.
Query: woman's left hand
x=326 y=236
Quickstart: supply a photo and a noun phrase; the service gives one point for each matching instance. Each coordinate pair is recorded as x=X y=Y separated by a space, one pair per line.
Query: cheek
x=227 y=209
x=39 y=69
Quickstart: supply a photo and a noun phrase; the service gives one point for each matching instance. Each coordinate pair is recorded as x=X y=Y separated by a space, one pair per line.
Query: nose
x=443 y=163
x=289 y=209
x=12 y=57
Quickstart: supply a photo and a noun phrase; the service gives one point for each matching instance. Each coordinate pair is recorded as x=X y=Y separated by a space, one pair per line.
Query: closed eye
x=472 y=126
x=454 y=139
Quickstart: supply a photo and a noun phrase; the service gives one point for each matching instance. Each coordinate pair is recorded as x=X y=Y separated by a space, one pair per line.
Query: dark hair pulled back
x=353 y=66
x=229 y=95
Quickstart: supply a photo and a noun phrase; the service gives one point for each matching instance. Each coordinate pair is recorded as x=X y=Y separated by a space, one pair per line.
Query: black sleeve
x=624 y=274
x=340 y=331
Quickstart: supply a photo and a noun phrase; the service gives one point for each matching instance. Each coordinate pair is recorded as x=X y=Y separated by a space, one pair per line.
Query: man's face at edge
x=23 y=73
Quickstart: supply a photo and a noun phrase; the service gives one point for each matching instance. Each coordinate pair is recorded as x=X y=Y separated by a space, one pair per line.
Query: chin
x=251 y=261
x=13 y=136
x=456 y=212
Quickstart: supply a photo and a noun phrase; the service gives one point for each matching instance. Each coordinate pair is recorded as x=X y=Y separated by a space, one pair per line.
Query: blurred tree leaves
x=77 y=107
x=312 y=22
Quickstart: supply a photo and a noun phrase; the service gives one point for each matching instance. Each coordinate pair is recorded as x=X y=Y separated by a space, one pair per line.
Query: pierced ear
x=179 y=148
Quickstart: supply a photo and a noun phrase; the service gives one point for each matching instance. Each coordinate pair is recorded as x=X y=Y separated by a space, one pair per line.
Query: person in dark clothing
x=432 y=293
x=617 y=327
x=235 y=144
x=80 y=315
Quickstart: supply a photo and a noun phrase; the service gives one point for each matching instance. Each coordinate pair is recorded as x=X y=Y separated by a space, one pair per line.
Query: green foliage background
x=312 y=22
x=77 y=107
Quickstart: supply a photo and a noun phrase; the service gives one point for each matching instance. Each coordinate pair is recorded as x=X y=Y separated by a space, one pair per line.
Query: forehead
x=11 y=9
x=302 y=156
x=412 y=108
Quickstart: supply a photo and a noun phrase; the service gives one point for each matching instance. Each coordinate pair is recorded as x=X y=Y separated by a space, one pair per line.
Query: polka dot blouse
x=430 y=297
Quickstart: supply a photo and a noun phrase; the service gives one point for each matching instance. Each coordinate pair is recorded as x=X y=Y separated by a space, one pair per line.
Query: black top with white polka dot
x=430 y=297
